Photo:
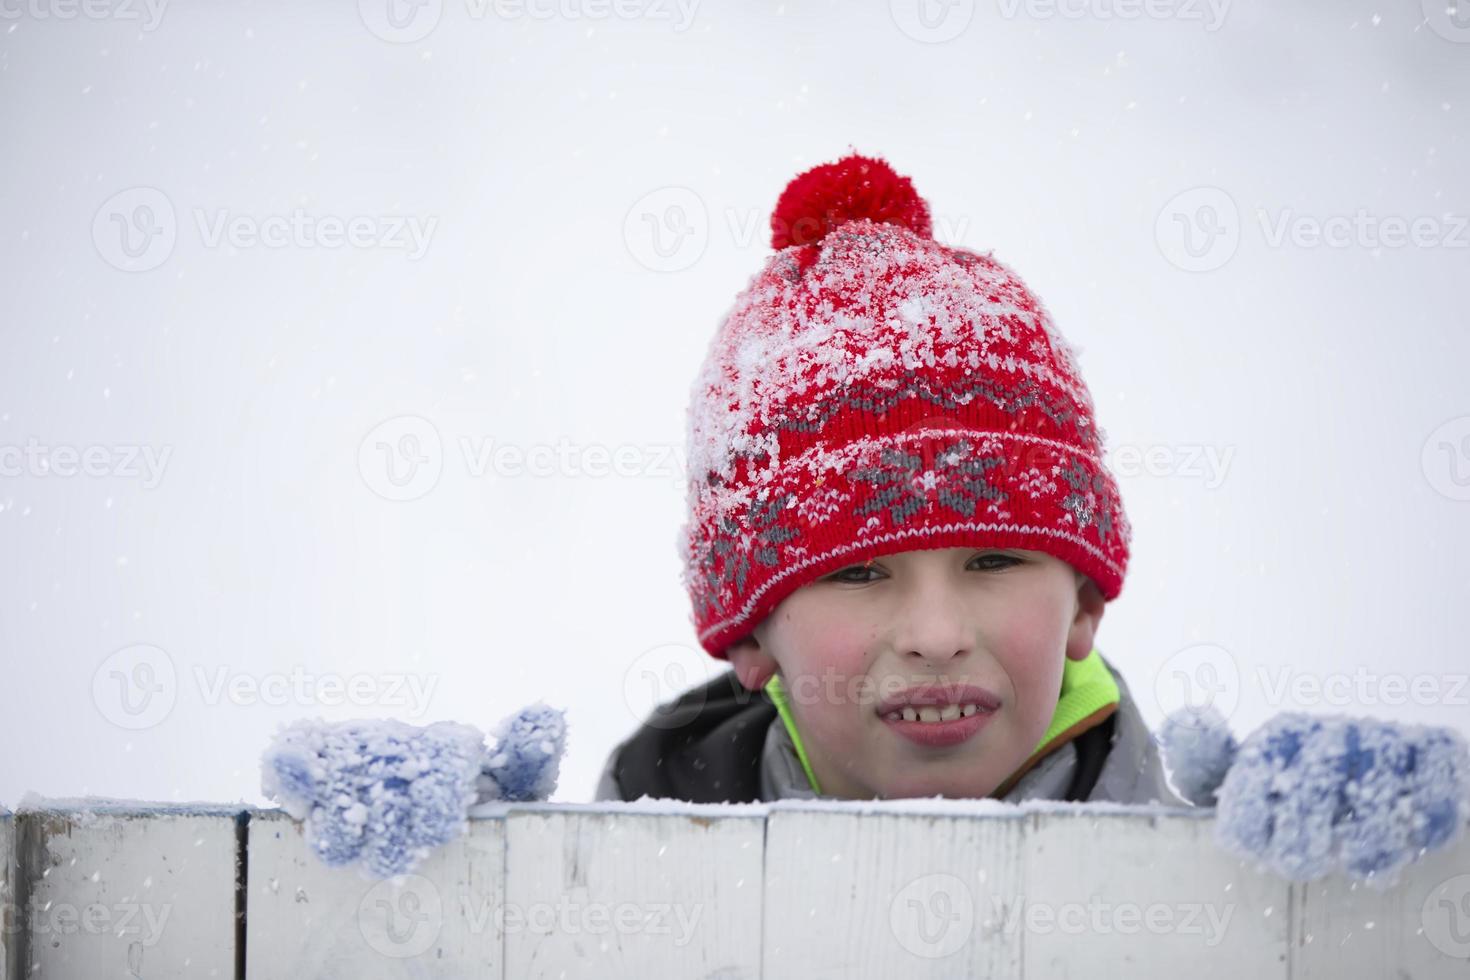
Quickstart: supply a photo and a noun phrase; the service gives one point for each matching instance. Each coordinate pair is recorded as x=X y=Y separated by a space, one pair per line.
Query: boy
x=901 y=532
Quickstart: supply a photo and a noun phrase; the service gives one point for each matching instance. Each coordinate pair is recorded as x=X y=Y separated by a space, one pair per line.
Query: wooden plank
x=128 y=890
x=616 y=891
x=307 y=921
x=891 y=892
x=1132 y=893
x=1420 y=927
x=10 y=920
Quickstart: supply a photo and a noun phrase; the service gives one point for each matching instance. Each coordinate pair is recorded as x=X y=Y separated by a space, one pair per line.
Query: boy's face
x=850 y=644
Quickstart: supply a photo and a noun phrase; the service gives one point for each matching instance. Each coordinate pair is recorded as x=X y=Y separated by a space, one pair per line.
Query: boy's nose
x=935 y=626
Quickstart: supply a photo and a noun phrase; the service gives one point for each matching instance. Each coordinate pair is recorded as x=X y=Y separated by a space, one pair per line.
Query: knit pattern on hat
x=876 y=391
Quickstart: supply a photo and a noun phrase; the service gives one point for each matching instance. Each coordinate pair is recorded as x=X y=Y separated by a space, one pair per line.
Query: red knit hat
x=874 y=391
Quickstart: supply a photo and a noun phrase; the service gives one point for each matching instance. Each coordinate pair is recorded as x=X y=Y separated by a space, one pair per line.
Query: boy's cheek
x=824 y=673
x=825 y=649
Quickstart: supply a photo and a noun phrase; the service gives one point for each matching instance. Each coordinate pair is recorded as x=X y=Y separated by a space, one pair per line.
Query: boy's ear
x=1090 y=605
x=752 y=664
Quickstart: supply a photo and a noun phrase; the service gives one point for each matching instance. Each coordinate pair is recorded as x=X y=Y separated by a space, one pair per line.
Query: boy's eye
x=990 y=562
x=1006 y=561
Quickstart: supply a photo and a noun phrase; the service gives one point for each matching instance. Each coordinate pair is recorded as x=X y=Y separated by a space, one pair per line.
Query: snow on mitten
x=1198 y=749
x=380 y=793
x=522 y=764
x=1309 y=796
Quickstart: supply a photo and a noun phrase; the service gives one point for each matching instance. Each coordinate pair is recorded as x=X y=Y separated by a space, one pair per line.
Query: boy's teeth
x=931 y=712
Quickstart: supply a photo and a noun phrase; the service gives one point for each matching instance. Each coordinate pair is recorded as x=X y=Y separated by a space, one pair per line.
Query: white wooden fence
x=787 y=889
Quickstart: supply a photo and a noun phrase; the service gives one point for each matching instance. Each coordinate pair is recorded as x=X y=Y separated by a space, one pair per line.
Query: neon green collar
x=1087 y=685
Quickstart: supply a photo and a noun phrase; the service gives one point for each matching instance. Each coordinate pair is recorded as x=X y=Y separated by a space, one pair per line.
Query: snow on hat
x=873 y=391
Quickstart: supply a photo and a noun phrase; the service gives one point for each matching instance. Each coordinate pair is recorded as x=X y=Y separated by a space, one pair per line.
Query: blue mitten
x=1308 y=796
x=382 y=793
x=523 y=763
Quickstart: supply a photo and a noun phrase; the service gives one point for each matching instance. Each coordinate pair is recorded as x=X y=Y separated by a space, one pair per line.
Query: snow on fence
x=789 y=889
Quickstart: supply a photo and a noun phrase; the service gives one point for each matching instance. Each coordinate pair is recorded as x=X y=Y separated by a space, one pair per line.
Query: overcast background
x=249 y=459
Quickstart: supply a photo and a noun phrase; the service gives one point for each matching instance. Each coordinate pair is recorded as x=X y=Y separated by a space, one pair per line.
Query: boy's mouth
x=939 y=714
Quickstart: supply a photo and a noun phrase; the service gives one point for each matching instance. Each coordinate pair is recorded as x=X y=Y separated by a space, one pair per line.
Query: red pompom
x=824 y=197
